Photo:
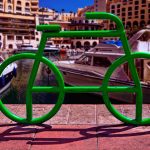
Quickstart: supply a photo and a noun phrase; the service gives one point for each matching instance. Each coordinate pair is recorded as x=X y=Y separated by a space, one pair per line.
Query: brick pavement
x=75 y=127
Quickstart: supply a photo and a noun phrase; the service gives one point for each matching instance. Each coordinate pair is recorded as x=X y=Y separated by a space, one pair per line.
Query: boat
x=26 y=48
x=90 y=68
x=5 y=78
x=51 y=48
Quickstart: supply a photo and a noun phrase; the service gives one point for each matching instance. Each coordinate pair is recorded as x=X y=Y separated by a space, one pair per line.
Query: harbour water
x=17 y=91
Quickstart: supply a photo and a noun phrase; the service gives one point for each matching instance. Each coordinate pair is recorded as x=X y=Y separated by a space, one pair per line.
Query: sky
x=67 y=5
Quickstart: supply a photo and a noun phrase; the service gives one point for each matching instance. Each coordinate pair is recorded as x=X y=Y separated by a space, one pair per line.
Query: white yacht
x=51 y=48
x=5 y=78
x=91 y=67
x=26 y=48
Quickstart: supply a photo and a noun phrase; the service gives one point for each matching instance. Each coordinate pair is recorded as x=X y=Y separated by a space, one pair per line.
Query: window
x=1 y=6
x=112 y=7
x=123 y=9
x=18 y=8
x=9 y=1
x=118 y=11
x=118 y=6
x=145 y=37
x=27 y=9
x=101 y=62
x=129 y=13
x=27 y=4
x=142 y=17
x=123 y=19
x=136 y=2
x=136 y=12
x=10 y=46
x=85 y=60
x=80 y=21
x=10 y=37
x=143 y=1
x=130 y=9
x=9 y=7
x=18 y=2
x=112 y=11
x=123 y=14
x=27 y=37
x=19 y=38
x=136 y=7
x=143 y=11
x=86 y=21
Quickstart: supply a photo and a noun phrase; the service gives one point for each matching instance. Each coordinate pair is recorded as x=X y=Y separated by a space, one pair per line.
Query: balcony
x=34 y=7
x=17 y=22
x=15 y=29
x=34 y=1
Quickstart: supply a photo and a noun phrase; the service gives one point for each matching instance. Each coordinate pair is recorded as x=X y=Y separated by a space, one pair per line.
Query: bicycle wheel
x=131 y=89
x=59 y=90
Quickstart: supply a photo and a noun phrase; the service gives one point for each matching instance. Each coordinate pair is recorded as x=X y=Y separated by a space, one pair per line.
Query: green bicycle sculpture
x=50 y=31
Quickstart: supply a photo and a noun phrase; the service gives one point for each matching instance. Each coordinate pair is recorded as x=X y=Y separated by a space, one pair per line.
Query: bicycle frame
x=50 y=31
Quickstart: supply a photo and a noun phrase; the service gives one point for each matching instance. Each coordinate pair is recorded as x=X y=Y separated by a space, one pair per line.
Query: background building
x=135 y=14
x=18 y=20
x=19 y=6
x=100 y=5
x=81 y=23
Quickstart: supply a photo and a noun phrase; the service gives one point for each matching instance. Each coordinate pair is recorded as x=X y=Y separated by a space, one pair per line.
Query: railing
x=51 y=31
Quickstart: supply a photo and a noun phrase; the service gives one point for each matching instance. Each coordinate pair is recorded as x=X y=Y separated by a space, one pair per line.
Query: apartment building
x=46 y=15
x=66 y=16
x=18 y=20
x=81 y=23
x=34 y=6
x=100 y=5
x=19 y=6
x=133 y=13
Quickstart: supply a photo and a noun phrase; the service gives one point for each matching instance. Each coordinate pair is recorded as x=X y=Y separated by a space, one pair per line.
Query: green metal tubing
x=105 y=15
x=84 y=89
x=90 y=33
x=50 y=28
x=55 y=109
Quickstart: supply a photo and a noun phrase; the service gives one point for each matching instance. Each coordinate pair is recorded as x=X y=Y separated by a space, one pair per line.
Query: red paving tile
x=64 y=137
x=105 y=117
x=62 y=116
x=98 y=130
x=3 y=119
x=123 y=138
x=82 y=114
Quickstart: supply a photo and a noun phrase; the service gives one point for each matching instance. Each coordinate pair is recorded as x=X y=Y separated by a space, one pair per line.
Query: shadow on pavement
x=61 y=134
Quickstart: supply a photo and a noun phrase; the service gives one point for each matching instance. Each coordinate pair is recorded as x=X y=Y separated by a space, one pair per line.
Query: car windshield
x=101 y=62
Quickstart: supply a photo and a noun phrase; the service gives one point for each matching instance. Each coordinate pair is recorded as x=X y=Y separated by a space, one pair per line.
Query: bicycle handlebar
x=51 y=28
x=103 y=16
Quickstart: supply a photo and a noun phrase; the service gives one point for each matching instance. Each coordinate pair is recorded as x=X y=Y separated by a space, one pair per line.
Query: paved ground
x=75 y=127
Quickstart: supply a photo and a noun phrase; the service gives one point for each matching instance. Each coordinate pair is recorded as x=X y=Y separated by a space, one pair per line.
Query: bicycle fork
x=33 y=77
